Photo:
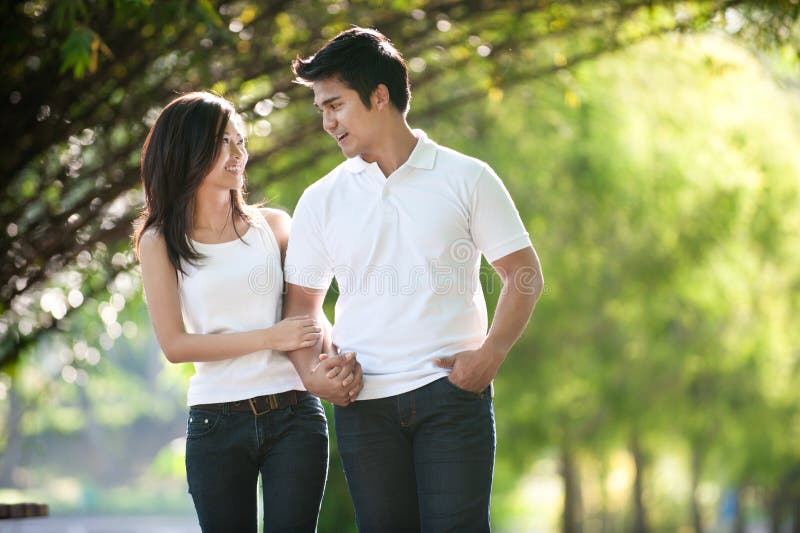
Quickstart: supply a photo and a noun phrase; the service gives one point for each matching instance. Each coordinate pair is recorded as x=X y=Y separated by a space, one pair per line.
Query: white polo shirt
x=405 y=251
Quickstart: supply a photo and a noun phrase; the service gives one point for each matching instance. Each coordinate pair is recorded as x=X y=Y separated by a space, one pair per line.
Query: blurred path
x=102 y=524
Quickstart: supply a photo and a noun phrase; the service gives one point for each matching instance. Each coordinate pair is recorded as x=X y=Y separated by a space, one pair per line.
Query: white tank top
x=237 y=287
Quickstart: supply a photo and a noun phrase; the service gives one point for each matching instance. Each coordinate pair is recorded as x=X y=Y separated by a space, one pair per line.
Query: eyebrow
x=326 y=102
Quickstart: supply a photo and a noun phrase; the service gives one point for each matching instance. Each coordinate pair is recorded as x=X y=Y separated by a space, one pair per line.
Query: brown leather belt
x=258 y=405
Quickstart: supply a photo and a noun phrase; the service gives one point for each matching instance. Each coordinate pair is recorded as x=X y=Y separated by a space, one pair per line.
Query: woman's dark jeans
x=421 y=460
x=226 y=451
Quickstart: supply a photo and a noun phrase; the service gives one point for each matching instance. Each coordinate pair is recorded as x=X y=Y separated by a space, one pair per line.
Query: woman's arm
x=163 y=303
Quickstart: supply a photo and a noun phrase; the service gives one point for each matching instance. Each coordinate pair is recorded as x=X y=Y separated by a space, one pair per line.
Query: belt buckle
x=255 y=411
x=272 y=404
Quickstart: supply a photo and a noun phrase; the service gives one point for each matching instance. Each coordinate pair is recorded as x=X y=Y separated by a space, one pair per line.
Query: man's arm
x=523 y=282
x=342 y=387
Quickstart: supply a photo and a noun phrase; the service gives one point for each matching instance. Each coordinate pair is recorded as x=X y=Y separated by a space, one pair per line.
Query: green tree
x=623 y=178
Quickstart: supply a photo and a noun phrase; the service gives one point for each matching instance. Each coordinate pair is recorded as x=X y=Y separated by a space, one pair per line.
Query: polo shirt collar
x=355 y=164
x=422 y=156
x=424 y=153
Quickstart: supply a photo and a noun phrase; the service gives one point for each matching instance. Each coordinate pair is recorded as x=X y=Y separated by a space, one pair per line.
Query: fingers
x=445 y=362
x=346 y=397
x=310 y=327
x=359 y=384
x=346 y=365
x=354 y=377
x=338 y=360
x=298 y=317
x=345 y=371
x=354 y=382
x=335 y=371
x=308 y=340
x=339 y=398
x=305 y=321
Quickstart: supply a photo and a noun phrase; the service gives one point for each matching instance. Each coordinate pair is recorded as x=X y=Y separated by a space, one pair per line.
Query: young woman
x=213 y=278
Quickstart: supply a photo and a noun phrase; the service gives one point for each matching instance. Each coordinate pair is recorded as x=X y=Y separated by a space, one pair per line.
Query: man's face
x=345 y=117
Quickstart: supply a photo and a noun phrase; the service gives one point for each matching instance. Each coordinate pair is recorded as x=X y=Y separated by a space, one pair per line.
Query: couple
x=401 y=224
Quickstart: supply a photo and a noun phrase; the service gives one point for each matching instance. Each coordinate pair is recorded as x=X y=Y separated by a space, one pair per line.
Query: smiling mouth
x=340 y=138
x=234 y=169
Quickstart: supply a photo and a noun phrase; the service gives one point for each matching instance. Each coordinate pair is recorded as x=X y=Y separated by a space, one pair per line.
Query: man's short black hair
x=362 y=59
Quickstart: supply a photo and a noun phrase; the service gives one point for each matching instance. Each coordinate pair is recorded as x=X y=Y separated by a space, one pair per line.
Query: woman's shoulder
x=278 y=219
x=279 y=222
x=271 y=214
x=152 y=247
x=152 y=238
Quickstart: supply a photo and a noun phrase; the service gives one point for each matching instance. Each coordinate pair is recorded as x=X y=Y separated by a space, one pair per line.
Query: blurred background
x=652 y=149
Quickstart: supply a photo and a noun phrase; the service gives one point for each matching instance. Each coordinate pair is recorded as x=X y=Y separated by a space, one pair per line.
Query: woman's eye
x=225 y=140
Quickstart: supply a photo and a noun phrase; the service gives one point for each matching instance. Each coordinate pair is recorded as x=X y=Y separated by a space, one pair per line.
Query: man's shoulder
x=320 y=188
x=449 y=160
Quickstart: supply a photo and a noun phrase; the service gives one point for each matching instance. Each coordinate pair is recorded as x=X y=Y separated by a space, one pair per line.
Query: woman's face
x=227 y=171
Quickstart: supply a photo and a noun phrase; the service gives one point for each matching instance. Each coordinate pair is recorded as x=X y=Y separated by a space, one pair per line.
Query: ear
x=380 y=97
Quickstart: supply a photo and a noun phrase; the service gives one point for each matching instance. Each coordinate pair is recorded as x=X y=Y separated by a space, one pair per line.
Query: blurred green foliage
x=649 y=149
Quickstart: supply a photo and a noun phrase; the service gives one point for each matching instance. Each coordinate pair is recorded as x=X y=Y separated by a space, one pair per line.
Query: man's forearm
x=305 y=360
x=473 y=370
x=522 y=287
x=339 y=386
x=512 y=314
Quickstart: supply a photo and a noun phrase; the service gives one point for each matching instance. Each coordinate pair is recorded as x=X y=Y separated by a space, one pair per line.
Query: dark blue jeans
x=226 y=451
x=421 y=460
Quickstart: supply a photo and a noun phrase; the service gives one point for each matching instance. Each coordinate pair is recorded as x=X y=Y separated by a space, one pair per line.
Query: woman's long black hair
x=178 y=153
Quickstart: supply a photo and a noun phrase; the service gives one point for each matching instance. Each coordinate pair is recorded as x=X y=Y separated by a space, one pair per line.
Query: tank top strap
x=265 y=230
x=257 y=219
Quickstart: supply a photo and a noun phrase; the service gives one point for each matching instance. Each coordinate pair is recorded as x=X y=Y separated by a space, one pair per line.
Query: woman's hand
x=293 y=333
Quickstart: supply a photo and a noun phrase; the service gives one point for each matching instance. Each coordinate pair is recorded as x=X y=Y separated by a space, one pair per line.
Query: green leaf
x=76 y=52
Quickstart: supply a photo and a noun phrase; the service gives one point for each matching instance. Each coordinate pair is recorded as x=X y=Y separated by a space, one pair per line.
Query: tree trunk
x=697 y=519
x=606 y=523
x=571 y=521
x=775 y=511
x=791 y=497
x=738 y=525
x=639 y=515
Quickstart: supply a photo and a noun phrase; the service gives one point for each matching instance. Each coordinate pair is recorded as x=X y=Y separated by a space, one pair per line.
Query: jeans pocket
x=463 y=392
x=201 y=423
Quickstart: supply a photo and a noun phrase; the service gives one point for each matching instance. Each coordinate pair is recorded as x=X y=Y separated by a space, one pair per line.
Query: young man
x=401 y=225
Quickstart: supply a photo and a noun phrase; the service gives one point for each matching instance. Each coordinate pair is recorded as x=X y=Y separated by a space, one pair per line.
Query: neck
x=212 y=211
x=396 y=147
